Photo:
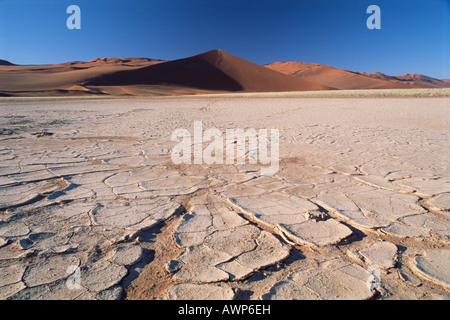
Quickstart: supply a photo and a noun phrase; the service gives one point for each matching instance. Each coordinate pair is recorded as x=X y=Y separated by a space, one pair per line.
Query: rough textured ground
x=358 y=210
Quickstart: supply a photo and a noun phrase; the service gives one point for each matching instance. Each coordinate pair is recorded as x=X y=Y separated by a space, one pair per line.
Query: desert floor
x=92 y=206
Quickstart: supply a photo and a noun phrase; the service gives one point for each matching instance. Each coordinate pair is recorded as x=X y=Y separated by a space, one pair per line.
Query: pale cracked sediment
x=434 y=265
x=331 y=280
x=363 y=185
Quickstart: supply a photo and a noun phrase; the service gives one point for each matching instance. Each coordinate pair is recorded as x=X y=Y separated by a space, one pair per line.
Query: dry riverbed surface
x=92 y=206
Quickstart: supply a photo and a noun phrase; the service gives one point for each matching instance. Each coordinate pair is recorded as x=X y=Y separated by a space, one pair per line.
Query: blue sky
x=414 y=34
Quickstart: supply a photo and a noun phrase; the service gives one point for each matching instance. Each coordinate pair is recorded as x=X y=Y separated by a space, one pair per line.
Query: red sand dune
x=420 y=79
x=55 y=79
x=213 y=70
x=344 y=79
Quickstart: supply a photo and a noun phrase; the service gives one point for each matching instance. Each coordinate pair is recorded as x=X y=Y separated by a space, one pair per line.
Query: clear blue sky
x=414 y=35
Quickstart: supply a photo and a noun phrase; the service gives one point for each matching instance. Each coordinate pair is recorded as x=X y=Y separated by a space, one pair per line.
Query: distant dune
x=57 y=79
x=424 y=81
x=338 y=78
x=214 y=71
x=344 y=79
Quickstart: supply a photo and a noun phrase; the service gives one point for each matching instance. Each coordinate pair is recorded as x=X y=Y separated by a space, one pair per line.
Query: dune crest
x=345 y=80
x=212 y=70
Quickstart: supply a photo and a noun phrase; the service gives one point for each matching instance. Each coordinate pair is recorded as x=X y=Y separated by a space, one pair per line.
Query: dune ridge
x=345 y=79
x=212 y=72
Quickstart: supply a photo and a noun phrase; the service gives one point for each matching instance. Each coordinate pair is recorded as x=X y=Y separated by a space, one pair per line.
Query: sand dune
x=61 y=78
x=5 y=63
x=420 y=79
x=213 y=70
x=344 y=79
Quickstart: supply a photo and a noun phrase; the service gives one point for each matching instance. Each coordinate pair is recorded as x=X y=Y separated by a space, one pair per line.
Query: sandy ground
x=92 y=206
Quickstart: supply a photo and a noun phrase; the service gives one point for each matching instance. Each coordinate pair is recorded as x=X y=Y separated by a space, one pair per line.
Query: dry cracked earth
x=92 y=207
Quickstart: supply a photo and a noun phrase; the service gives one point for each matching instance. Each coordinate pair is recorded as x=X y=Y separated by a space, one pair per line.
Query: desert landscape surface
x=93 y=207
